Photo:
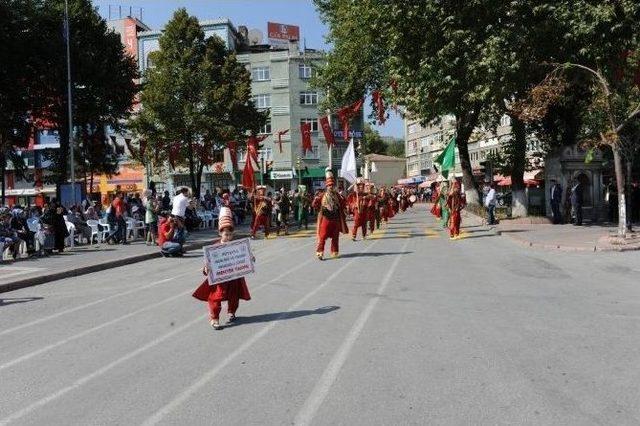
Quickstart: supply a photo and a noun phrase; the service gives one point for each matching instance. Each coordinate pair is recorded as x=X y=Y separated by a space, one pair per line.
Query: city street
x=407 y=327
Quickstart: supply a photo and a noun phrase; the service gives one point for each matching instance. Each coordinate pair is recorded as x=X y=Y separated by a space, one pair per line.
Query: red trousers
x=359 y=221
x=260 y=220
x=328 y=229
x=231 y=291
x=384 y=214
x=215 y=306
x=454 y=223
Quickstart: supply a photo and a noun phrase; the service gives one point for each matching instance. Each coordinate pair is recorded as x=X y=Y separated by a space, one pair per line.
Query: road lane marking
x=85 y=379
x=330 y=374
x=209 y=375
x=114 y=296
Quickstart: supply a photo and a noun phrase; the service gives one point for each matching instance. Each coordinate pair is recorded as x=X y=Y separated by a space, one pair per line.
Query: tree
x=373 y=142
x=103 y=75
x=196 y=97
x=427 y=56
x=396 y=149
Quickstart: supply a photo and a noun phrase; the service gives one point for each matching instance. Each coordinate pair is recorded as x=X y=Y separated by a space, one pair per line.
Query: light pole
x=299 y=167
x=69 y=103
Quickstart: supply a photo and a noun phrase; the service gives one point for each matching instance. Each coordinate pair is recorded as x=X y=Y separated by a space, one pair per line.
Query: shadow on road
x=13 y=300
x=391 y=253
x=278 y=316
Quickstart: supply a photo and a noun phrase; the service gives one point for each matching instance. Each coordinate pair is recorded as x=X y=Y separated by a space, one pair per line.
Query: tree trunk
x=192 y=172
x=91 y=183
x=199 y=178
x=519 y=201
x=622 y=202
x=465 y=123
x=63 y=158
x=3 y=170
x=628 y=191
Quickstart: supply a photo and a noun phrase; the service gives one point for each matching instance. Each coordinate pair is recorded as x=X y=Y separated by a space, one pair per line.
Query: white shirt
x=490 y=200
x=180 y=203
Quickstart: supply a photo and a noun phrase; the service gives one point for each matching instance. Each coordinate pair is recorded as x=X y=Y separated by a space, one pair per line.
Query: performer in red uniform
x=435 y=210
x=383 y=205
x=261 y=211
x=231 y=291
x=455 y=203
x=331 y=217
x=372 y=208
x=357 y=202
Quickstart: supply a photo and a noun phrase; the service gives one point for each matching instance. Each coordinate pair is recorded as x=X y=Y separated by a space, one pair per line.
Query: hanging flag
x=305 y=130
x=233 y=153
x=378 y=101
x=132 y=151
x=327 y=131
x=280 y=133
x=252 y=148
x=589 y=156
x=345 y=114
x=447 y=158
x=394 y=88
x=248 y=178
x=348 y=170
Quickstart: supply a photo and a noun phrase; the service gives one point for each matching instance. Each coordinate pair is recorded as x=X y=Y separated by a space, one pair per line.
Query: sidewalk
x=589 y=237
x=86 y=259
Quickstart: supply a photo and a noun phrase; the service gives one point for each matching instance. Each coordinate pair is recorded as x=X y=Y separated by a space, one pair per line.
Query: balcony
x=243 y=59
x=279 y=56
x=280 y=110
x=279 y=83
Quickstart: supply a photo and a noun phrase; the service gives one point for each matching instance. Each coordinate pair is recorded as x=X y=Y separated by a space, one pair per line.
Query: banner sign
x=228 y=261
x=282 y=32
x=352 y=134
x=278 y=175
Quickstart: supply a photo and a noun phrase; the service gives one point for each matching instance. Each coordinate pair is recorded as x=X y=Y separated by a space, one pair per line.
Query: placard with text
x=228 y=261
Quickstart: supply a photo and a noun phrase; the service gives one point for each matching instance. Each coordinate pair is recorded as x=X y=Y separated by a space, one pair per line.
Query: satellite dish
x=255 y=37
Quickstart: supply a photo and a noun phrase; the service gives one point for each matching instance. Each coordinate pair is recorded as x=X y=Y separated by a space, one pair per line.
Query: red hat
x=329 y=179
x=225 y=219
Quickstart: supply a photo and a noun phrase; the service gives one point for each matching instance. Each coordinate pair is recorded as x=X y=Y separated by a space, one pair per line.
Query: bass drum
x=413 y=199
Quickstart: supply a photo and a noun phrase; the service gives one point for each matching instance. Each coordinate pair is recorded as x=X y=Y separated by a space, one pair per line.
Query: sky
x=252 y=14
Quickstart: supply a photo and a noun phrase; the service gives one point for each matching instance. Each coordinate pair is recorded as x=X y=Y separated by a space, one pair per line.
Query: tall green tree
x=373 y=141
x=196 y=97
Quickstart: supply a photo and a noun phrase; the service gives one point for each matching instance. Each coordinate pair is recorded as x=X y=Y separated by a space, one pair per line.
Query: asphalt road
x=405 y=328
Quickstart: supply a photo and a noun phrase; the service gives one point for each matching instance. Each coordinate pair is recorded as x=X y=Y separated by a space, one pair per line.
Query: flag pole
x=328 y=111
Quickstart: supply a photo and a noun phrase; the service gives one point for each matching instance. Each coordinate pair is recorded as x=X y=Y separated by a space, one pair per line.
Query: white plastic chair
x=71 y=228
x=106 y=228
x=95 y=231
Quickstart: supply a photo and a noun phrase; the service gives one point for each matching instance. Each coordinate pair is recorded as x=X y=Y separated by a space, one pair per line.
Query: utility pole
x=69 y=103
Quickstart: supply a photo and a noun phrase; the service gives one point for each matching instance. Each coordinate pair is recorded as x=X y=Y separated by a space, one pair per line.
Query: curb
x=110 y=264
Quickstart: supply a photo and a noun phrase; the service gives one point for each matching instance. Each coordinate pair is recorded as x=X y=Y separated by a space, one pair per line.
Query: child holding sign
x=231 y=291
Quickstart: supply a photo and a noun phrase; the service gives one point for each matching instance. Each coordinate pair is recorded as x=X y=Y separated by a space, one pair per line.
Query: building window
x=313 y=154
x=262 y=101
x=266 y=129
x=308 y=98
x=149 y=61
x=312 y=121
x=261 y=74
x=305 y=71
x=412 y=128
x=505 y=120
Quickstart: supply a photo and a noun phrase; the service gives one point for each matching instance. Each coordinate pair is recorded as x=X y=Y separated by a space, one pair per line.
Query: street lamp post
x=69 y=103
x=299 y=167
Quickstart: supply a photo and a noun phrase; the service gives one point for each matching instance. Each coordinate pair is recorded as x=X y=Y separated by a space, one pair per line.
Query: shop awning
x=531 y=178
x=29 y=192
x=315 y=172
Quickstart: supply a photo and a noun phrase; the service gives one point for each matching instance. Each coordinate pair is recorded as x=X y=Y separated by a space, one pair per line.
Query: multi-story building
x=424 y=143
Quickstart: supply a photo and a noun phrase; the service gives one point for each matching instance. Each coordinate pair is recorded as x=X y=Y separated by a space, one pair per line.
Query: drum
x=413 y=199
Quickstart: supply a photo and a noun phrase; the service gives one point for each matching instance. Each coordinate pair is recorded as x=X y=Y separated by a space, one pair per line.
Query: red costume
x=455 y=203
x=383 y=205
x=261 y=212
x=372 y=208
x=359 y=205
x=331 y=217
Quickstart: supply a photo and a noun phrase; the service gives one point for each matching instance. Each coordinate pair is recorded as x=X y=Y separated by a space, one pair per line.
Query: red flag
x=252 y=148
x=345 y=114
x=378 y=101
x=327 y=131
x=283 y=132
x=305 y=130
x=394 y=87
x=248 y=180
x=233 y=153
x=174 y=150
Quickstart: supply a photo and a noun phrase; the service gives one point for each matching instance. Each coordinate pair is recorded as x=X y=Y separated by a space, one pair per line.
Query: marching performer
x=383 y=206
x=443 y=193
x=357 y=202
x=372 y=208
x=435 y=210
x=231 y=291
x=455 y=203
x=331 y=217
x=261 y=211
x=302 y=204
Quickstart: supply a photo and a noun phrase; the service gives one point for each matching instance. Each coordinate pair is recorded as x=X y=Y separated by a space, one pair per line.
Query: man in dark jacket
x=576 y=201
x=556 y=200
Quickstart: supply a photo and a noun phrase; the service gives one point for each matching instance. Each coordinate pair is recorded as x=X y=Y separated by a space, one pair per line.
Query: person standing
x=302 y=205
x=442 y=200
x=54 y=218
x=556 y=200
x=151 y=219
x=576 y=202
x=331 y=217
x=490 y=204
x=358 y=204
x=166 y=201
x=455 y=204
x=285 y=208
x=261 y=211
x=372 y=208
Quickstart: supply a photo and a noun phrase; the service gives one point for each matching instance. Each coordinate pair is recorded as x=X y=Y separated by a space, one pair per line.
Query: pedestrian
x=490 y=203
x=151 y=219
x=166 y=201
x=576 y=202
x=455 y=204
x=54 y=218
x=331 y=217
x=231 y=291
x=284 y=209
x=555 y=200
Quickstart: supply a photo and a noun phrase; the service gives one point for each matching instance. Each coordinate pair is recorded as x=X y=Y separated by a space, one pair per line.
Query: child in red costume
x=231 y=291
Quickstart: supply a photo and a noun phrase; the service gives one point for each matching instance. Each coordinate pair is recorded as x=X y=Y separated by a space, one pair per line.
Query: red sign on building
x=283 y=32
x=131 y=37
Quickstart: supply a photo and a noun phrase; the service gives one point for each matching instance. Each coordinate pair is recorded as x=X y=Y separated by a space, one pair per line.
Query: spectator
x=490 y=203
x=166 y=201
x=54 y=219
x=152 y=208
x=8 y=235
x=77 y=219
x=168 y=241
x=116 y=219
x=180 y=203
x=576 y=202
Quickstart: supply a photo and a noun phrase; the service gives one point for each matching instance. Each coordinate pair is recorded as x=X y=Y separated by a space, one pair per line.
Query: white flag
x=349 y=170
x=374 y=168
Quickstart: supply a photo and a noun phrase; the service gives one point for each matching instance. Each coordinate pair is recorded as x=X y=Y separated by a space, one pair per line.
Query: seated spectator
x=168 y=238
x=191 y=220
x=76 y=217
x=8 y=236
x=19 y=224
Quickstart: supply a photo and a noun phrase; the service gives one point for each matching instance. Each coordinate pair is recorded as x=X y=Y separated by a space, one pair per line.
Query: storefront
x=130 y=180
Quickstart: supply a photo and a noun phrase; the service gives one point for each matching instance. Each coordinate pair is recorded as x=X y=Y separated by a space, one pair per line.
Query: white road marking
x=320 y=391
x=209 y=375
x=17 y=270
x=83 y=380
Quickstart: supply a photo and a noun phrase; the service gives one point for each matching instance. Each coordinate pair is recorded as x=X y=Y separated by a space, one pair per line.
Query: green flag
x=447 y=159
x=589 y=157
